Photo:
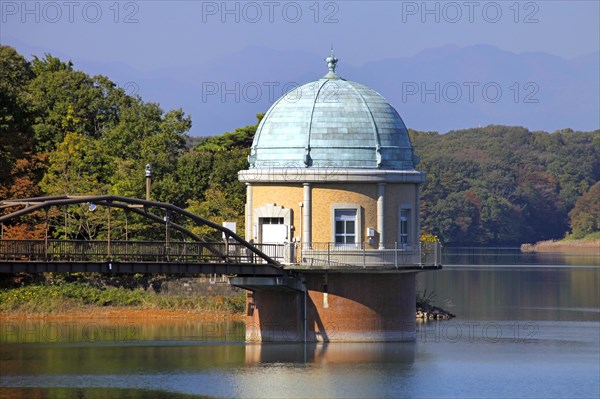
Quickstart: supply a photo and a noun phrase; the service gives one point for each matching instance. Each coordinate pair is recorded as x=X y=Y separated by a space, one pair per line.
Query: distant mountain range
x=441 y=89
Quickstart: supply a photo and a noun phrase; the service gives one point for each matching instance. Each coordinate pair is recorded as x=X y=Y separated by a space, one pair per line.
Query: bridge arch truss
x=232 y=256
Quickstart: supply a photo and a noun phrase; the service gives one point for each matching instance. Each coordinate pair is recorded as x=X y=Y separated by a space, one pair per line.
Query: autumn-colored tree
x=16 y=135
x=503 y=184
x=585 y=216
x=65 y=132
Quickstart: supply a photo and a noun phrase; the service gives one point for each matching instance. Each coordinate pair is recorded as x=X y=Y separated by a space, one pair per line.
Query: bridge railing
x=132 y=251
x=313 y=255
x=240 y=254
x=365 y=255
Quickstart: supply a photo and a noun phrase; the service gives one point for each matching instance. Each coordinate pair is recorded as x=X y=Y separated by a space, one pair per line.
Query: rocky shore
x=429 y=312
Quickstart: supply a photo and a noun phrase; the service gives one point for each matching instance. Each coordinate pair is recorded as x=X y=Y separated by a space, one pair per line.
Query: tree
x=240 y=138
x=585 y=216
x=218 y=208
x=79 y=166
x=194 y=173
x=15 y=75
x=59 y=94
x=454 y=219
x=137 y=122
x=520 y=185
x=16 y=135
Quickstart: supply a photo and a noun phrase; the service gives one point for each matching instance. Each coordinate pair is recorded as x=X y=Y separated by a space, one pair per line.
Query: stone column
x=249 y=212
x=307 y=217
x=381 y=214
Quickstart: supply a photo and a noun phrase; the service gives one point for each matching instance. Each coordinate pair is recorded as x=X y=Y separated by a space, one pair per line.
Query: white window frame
x=358 y=229
x=409 y=233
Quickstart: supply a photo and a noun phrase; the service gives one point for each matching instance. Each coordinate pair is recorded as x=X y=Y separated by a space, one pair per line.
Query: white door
x=274 y=234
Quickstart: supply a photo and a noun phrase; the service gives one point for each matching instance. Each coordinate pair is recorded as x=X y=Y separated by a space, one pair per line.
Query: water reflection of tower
x=328 y=370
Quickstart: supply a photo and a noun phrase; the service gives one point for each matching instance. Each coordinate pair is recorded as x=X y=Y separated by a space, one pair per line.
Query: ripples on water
x=530 y=331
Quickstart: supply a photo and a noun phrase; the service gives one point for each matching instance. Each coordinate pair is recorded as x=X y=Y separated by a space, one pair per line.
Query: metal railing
x=132 y=251
x=332 y=255
x=313 y=255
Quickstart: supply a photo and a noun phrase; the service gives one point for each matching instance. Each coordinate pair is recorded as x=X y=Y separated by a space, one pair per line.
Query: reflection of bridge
x=233 y=256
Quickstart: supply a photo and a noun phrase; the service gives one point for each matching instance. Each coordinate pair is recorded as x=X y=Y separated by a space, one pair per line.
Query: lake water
x=527 y=327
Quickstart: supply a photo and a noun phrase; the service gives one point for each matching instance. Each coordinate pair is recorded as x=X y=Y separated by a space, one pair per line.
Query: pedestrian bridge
x=233 y=256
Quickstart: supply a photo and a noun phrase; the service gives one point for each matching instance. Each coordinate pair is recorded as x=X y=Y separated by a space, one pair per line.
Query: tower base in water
x=334 y=307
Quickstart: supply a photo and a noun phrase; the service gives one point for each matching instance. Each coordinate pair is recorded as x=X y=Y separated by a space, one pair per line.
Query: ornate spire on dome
x=331 y=64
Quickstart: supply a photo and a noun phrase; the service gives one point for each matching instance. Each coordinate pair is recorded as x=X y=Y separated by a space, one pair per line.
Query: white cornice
x=329 y=175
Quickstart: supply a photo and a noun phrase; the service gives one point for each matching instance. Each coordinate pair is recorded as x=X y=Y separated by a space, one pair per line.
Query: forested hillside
x=65 y=132
x=502 y=184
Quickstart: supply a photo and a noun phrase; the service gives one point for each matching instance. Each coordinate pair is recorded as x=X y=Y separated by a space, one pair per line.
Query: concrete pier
x=336 y=307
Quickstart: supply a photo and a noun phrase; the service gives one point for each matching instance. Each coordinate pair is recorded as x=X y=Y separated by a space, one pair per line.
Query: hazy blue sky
x=166 y=50
x=155 y=34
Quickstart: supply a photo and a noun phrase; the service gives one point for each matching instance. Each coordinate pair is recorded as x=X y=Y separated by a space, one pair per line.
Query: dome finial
x=331 y=64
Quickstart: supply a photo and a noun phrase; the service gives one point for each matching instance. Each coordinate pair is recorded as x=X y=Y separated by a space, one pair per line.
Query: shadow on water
x=90 y=393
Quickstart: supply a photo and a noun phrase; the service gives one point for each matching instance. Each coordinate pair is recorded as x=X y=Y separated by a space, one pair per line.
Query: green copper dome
x=332 y=122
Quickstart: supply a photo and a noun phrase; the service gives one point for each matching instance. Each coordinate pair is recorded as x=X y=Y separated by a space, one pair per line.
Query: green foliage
x=16 y=137
x=62 y=100
x=503 y=185
x=240 y=138
x=15 y=75
x=217 y=207
x=208 y=178
x=428 y=237
x=585 y=216
x=65 y=132
x=78 y=166
x=69 y=295
x=592 y=236
x=61 y=295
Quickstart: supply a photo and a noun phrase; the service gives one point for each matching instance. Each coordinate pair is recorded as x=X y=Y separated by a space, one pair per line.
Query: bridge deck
x=240 y=269
x=208 y=258
x=131 y=257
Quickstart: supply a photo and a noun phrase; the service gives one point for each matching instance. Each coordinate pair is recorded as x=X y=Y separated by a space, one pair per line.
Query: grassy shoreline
x=76 y=300
x=66 y=298
x=578 y=246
